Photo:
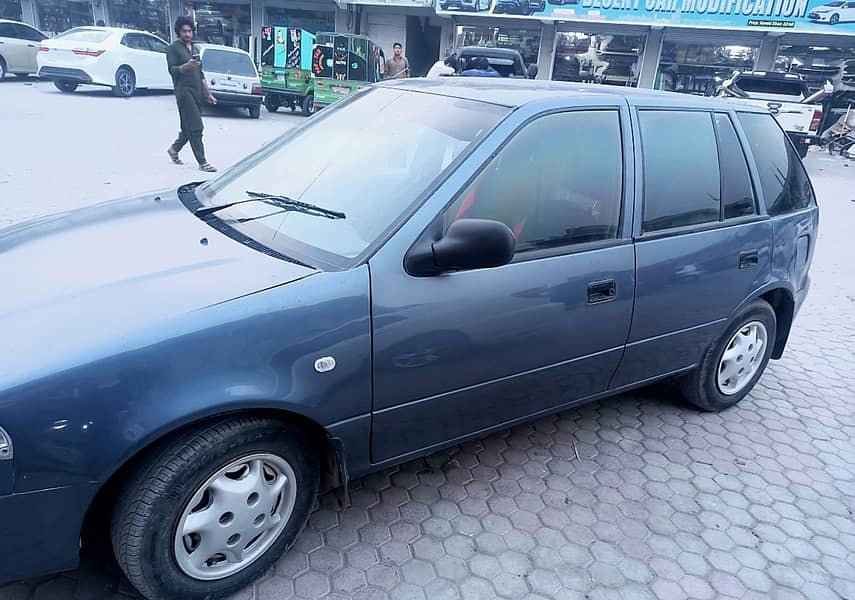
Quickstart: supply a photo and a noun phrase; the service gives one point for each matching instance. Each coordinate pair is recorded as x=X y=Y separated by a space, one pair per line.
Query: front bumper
x=40 y=531
x=819 y=17
x=236 y=99
x=65 y=74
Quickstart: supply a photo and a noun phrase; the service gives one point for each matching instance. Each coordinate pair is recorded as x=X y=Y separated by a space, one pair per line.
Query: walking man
x=398 y=67
x=191 y=90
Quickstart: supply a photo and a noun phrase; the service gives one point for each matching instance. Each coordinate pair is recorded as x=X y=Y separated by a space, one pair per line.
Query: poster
x=816 y=16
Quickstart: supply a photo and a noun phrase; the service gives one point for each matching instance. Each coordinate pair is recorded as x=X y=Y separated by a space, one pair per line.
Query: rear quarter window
x=785 y=183
x=228 y=63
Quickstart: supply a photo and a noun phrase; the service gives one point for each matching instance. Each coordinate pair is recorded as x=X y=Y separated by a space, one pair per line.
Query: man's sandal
x=174 y=156
x=208 y=167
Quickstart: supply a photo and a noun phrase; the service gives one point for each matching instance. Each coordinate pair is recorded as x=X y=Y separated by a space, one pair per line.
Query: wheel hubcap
x=125 y=83
x=741 y=358
x=235 y=516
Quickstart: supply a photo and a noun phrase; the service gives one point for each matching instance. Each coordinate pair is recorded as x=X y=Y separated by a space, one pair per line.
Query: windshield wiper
x=283 y=202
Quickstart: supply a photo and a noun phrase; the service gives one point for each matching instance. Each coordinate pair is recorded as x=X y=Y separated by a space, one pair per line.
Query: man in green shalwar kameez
x=191 y=91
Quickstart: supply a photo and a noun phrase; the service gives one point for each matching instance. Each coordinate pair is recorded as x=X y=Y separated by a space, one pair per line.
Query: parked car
x=122 y=59
x=465 y=5
x=509 y=63
x=19 y=45
x=232 y=77
x=519 y=7
x=414 y=267
x=838 y=11
x=785 y=95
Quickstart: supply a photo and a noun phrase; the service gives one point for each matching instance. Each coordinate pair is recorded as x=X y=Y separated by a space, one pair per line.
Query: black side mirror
x=532 y=71
x=468 y=244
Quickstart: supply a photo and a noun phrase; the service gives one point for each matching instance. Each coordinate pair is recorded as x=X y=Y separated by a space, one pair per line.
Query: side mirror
x=468 y=244
x=532 y=71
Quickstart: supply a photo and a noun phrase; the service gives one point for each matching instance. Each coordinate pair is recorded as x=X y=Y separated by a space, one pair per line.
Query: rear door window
x=737 y=192
x=228 y=63
x=786 y=186
x=6 y=30
x=681 y=173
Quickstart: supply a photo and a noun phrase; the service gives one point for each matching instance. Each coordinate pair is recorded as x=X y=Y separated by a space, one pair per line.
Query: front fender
x=259 y=351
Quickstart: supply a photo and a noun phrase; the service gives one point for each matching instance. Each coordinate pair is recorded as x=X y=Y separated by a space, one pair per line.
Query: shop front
x=143 y=15
x=309 y=16
x=687 y=46
x=56 y=16
x=229 y=24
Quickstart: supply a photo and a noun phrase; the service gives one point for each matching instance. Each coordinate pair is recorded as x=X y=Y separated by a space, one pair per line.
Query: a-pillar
x=546 y=52
x=650 y=58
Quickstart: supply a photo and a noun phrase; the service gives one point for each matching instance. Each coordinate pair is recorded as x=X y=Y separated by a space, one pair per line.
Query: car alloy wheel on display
x=126 y=83
x=211 y=510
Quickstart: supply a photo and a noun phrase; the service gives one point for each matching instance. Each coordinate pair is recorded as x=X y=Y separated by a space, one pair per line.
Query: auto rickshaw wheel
x=271 y=103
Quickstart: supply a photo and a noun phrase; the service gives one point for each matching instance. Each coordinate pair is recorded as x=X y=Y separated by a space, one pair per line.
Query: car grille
x=814 y=15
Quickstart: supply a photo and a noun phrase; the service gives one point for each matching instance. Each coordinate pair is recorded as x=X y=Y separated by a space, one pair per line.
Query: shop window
x=698 y=68
x=10 y=9
x=142 y=15
x=56 y=16
x=312 y=21
x=818 y=64
x=225 y=24
x=525 y=41
x=598 y=58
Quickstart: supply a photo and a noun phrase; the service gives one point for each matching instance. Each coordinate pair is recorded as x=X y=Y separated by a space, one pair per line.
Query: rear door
x=14 y=48
x=28 y=42
x=160 y=75
x=703 y=246
x=462 y=352
x=147 y=65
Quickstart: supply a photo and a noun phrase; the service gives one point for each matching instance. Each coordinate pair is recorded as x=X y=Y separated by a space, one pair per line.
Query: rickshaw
x=341 y=64
x=286 y=69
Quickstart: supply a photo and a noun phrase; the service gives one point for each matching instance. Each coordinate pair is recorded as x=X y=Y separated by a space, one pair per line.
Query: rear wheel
x=65 y=86
x=271 y=103
x=254 y=112
x=734 y=363
x=802 y=149
x=126 y=83
x=309 y=105
x=211 y=511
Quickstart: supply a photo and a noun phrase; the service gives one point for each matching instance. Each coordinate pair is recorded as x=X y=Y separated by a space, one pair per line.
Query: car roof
x=488 y=52
x=205 y=46
x=514 y=93
x=772 y=75
x=106 y=29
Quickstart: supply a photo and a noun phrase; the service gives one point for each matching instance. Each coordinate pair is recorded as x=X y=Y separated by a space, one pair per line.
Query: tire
x=702 y=387
x=802 y=150
x=158 y=497
x=271 y=103
x=254 y=112
x=65 y=86
x=2 y=69
x=126 y=83
x=309 y=105
x=835 y=19
x=22 y=75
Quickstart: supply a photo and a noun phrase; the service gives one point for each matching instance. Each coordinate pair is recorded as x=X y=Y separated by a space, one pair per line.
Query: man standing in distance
x=398 y=67
x=191 y=90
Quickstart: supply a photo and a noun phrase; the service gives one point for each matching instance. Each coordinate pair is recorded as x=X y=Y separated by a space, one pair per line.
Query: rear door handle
x=601 y=291
x=748 y=258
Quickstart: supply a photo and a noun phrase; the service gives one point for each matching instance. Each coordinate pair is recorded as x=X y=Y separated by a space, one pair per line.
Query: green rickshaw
x=286 y=69
x=343 y=63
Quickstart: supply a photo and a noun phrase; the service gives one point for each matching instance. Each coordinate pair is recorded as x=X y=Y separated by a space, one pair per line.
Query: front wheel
x=254 y=112
x=309 y=105
x=835 y=19
x=65 y=86
x=734 y=363
x=126 y=83
x=211 y=511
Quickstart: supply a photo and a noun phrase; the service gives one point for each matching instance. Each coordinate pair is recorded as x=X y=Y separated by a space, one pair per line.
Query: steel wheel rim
x=235 y=516
x=741 y=358
x=125 y=83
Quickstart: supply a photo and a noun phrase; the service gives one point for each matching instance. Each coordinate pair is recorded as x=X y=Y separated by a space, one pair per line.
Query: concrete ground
x=634 y=497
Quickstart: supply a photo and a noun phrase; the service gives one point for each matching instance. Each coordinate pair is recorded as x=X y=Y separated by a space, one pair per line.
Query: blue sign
x=816 y=16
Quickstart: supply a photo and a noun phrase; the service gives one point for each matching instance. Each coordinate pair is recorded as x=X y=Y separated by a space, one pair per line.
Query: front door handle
x=748 y=258
x=601 y=291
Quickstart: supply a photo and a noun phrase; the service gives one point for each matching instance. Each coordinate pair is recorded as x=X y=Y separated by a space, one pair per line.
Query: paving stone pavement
x=629 y=498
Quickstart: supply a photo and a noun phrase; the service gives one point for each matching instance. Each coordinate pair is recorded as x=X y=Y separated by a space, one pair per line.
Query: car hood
x=823 y=9
x=112 y=273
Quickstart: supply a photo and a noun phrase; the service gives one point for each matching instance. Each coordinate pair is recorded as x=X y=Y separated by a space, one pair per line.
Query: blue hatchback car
x=423 y=263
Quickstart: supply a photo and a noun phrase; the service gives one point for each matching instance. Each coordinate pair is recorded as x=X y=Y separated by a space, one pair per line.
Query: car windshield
x=835 y=4
x=372 y=157
x=227 y=63
x=94 y=36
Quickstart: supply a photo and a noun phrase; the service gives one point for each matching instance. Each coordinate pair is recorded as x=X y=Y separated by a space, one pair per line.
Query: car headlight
x=5 y=445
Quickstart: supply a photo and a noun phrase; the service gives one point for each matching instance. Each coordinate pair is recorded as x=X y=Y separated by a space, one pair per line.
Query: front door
x=459 y=353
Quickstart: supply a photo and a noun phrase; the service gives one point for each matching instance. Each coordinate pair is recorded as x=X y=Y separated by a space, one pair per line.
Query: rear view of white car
x=232 y=77
x=19 y=45
x=122 y=59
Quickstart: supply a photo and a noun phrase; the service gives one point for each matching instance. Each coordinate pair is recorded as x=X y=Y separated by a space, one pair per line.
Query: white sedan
x=838 y=11
x=122 y=59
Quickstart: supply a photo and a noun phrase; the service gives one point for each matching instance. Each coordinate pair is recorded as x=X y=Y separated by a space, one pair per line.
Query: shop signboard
x=397 y=3
x=815 y=16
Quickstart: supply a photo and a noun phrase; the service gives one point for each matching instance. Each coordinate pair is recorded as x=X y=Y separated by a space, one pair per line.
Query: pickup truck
x=786 y=96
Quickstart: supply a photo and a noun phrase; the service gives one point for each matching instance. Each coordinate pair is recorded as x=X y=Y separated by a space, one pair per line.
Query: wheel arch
x=119 y=68
x=781 y=298
x=95 y=526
